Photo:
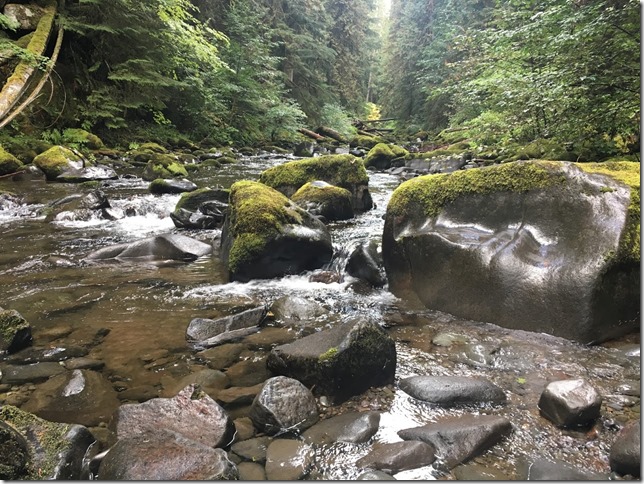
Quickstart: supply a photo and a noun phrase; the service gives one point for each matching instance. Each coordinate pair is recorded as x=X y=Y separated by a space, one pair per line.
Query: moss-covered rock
x=367 y=142
x=345 y=171
x=8 y=163
x=383 y=156
x=193 y=200
x=266 y=235
x=321 y=199
x=163 y=166
x=15 y=331
x=152 y=147
x=555 y=249
x=85 y=138
x=172 y=185
x=57 y=160
x=455 y=149
x=543 y=149
x=56 y=450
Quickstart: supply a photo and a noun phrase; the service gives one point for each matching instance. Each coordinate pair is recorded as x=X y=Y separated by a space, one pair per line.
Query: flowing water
x=147 y=308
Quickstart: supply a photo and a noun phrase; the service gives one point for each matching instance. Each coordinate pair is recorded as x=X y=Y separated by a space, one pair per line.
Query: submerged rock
x=567 y=263
x=159 y=248
x=339 y=362
x=452 y=390
x=398 y=456
x=205 y=333
x=625 y=454
x=569 y=403
x=284 y=405
x=171 y=185
x=270 y=237
x=296 y=311
x=459 y=439
x=165 y=455
x=54 y=450
x=15 y=331
x=375 y=476
x=353 y=427
x=540 y=469
x=190 y=413
x=288 y=460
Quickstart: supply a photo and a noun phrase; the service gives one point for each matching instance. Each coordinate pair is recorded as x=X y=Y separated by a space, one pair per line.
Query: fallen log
x=331 y=133
x=310 y=134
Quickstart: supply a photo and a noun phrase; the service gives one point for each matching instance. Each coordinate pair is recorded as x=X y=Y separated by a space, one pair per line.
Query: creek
x=147 y=308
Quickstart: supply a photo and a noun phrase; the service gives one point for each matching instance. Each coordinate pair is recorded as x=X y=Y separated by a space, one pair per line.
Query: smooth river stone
x=452 y=390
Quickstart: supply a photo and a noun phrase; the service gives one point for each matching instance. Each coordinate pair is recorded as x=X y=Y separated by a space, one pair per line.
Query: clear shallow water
x=147 y=309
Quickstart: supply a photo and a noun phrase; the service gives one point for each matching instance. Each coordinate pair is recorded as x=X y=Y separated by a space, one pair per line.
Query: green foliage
x=333 y=116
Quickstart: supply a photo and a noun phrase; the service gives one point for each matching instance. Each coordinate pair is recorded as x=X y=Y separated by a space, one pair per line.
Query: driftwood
x=310 y=134
x=371 y=121
x=331 y=133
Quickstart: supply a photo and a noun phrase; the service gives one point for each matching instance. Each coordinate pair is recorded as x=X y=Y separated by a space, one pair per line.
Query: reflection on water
x=147 y=308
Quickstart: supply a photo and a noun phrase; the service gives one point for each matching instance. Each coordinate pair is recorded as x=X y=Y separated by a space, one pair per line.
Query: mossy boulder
x=339 y=362
x=85 y=138
x=345 y=171
x=8 y=163
x=534 y=245
x=367 y=142
x=204 y=208
x=171 y=185
x=383 y=156
x=56 y=160
x=321 y=199
x=266 y=235
x=55 y=450
x=163 y=166
x=544 y=149
x=15 y=331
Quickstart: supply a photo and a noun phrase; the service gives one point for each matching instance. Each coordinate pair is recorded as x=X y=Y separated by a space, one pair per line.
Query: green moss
x=345 y=171
x=55 y=160
x=80 y=136
x=191 y=167
x=362 y=141
x=152 y=147
x=430 y=193
x=192 y=200
x=23 y=42
x=383 y=154
x=627 y=172
x=163 y=166
x=8 y=163
x=328 y=355
x=257 y=215
x=455 y=149
x=50 y=436
x=321 y=194
x=227 y=160
x=211 y=163
x=92 y=184
x=544 y=149
x=10 y=323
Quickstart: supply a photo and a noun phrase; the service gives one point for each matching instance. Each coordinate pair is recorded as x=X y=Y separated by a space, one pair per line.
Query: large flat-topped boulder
x=266 y=235
x=541 y=246
x=345 y=171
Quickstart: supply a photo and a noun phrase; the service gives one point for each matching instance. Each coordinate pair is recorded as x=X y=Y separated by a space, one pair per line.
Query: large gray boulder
x=625 y=454
x=452 y=390
x=266 y=235
x=284 y=405
x=190 y=413
x=532 y=245
x=53 y=450
x=159 y=248
x=164 y=455
x=339 y=362
x=459 y=439
x=570 y=403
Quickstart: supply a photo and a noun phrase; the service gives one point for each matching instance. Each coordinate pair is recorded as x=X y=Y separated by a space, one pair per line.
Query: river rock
x=438 y=164
x=344 y=171
x=165 y=455
x=352 y=427
x=252 y=449
x=57 y=160
x=205 y=208
x=15 y=331
x=162 y=165
x=171 y=185
x=479 y=472
x=288 y=460
x=48 y=354
x=9 y=164
x=625 y=455
x=26 y=16
x=452 y=390
x=383 y=156
x=205 y=333
x=80 y=207
x=324 y=200
x=209 y=380
x=540 y=469
x=398 y=456
x=296 y=311
x=266 y=235
x=339 y=362
x=249 y=372
x=190 y=413
x=239 y=395
x=566 y=264
x=80 y=396
x=32 y=373
x=375 y=476
x=284 y=404
x=74 y=174
x=55 y=450
x=569 y=403
x=158 y=248
x=14 y=455
x=220 y=357
x=365 y=263
x=459 y=439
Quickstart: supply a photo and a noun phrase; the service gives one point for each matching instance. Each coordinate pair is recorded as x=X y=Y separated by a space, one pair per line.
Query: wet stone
x=375 y=476
x=569 y=403
x=540 y=469
x=40 y=355
x=288 y=460
x=19 y=374
x=398 y=456
x=297 y=311
x=449 y=339
x=452 y=390
x=244 y=429
x=478 y=472
x=205 y=333
x=625 y=454
x=476 y=355
x=353 y=427
x=15 y=331
x=141 y=393
x=631 y=388
x=248 y=373
x=210 y=381
x=253 y=450
x=14 y=453
x=239 y=395
x=221 y=357
x=84 y=364
x=284 y=404
x=268 y=337
x=459 y=439
x=251 y=471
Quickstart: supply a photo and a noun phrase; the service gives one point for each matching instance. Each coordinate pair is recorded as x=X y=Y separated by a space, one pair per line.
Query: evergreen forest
x=564 y=74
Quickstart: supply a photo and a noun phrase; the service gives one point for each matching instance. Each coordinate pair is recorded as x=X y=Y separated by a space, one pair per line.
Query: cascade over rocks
x=344 y=171
x=339 y=362
x=459 y=439
x=452 y=390
x=205 y=208
x=160 y=248
x=266 y=235
x=539 y=246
